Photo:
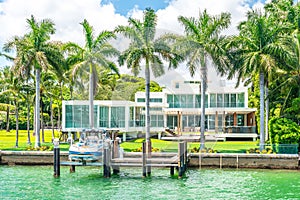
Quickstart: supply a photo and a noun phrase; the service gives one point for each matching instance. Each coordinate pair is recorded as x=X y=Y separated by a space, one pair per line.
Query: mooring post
x=181 y=157
x=172 y=170
x=185 y=155
x=149 y=150
x=144 y=159
x=72 y=168
x=56 y=158
x=116 y=147
x=106 y=159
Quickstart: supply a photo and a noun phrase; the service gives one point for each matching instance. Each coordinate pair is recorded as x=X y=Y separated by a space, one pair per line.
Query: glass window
x=229 y=120
x=226 y=100
x=220 y=100
x=85 y=116
x=241 y=100
x=141 y=100
x=189 y=101
x=198 y=101
x=117 y=117
x=211 y=122
x=176 y=101
x=191 y=120
x=153 y=120
x=69 y=116
x=103 y=116
x=156 y=100
x=160 y=120
x=206 y=101
x=220 y=122
x=233 y=100
x=240 y=120
x=177 y=85
x=213 y=100
x=170 y=100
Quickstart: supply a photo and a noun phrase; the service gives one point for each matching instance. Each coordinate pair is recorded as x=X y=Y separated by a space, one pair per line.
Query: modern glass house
x=176 y=108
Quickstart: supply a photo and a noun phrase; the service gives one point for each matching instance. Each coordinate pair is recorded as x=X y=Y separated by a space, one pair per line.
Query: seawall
x=220 y=160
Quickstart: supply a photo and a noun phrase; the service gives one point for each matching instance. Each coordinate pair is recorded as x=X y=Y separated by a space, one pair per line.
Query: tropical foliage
x=264 y=55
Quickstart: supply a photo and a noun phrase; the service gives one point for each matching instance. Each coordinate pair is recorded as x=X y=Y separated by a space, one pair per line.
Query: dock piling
x=149 y=150
x=144 y=159
x=56 y=158
x=116 y=154
x=106 y=160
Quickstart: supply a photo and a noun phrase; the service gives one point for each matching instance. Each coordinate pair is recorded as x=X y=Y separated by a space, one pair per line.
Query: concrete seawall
x=264 y=161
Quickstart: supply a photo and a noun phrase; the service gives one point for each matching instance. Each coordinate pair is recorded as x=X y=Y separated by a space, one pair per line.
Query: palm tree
x=13 y=89
x=144 y=47
x=35 y=51
x=253 y=53
x=202 y=41
x=96 y=51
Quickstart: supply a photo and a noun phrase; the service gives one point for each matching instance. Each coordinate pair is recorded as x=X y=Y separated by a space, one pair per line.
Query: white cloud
x=67 y=14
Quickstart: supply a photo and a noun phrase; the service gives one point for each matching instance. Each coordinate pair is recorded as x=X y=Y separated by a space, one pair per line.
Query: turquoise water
x=27 y=182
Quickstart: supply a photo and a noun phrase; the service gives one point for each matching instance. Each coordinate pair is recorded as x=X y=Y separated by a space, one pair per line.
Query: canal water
x=32 y=182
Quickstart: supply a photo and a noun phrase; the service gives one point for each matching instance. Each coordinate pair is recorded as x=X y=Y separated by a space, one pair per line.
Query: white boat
x=89 y=147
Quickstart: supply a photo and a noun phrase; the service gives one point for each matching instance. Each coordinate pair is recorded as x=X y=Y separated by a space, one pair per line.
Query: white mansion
x=176 y=108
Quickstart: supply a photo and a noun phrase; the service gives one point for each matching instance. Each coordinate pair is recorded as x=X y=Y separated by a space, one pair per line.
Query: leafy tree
x=253 y=53
x=202 y=41
x=13 y=89
x=284 y=131
x=97 y=51
x=35 y=50
x=145 y=48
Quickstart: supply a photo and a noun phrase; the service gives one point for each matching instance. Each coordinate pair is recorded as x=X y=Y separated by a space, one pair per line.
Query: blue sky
x=124 y=6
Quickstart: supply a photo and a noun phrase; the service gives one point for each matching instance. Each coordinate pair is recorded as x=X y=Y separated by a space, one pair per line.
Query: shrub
x=283 y=131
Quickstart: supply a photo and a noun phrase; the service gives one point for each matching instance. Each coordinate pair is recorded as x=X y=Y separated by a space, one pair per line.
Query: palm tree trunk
x=61 y=99
x=262 y=109
x=203 y=73
x=267 y=112
x=147 y=82
x=28 y=120
x=34 y=120
x=7 y=118
x=42 y=121
x=17 y=125
x=51 y=119
x=91 y=98
x=37 y=108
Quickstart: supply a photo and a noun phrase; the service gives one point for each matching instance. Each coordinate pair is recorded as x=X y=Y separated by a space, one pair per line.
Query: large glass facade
x=213 y=100
x=241 y=100
x=77 y=116
x=103 y=116
x=117 y=117
x=157 y=121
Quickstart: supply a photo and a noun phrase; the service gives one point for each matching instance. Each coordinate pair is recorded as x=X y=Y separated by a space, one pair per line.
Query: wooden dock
x=145 y=160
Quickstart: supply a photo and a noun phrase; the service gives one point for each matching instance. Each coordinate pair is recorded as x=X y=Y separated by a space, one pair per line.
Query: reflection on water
x=25 y=182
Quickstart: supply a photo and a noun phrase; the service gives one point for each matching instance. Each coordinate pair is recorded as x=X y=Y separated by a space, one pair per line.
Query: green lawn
x=7 y=142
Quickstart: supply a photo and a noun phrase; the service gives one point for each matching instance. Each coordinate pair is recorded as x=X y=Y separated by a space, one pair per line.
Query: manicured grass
x=168 y=146
x=7 y=142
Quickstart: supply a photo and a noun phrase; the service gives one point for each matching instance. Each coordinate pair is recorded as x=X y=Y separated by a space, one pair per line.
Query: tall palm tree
x=36 y=51
x=253 y=53
x=203 y=42
x=97 y=51
x=145 y=48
